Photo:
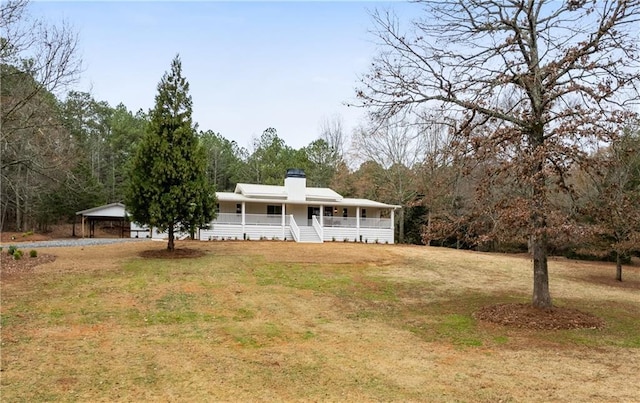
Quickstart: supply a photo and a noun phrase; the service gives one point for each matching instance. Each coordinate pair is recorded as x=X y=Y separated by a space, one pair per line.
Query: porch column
x=358 y=223
x=243 y=221
x=284 y=221
x=393 y=211
x=321 y=216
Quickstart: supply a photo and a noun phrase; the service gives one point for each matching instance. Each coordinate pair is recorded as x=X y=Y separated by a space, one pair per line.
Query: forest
x=63 y=151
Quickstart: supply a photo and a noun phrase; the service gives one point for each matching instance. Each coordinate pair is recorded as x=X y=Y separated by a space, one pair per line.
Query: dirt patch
x=525 y=316
x=178 y=253
x=16 y=237
x=10 y=266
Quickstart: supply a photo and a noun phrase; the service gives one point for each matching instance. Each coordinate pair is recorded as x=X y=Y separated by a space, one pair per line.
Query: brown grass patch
x=281 y=321
x=177 y=253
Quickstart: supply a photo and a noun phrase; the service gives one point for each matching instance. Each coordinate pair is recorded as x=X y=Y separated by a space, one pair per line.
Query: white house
x=295 y=212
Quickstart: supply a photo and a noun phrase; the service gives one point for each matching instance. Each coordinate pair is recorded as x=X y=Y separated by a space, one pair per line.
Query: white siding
x=371 y=234
x=299 y=213
x=228 y=207
x=368 y=234
x=339 y=234
x=254 y=232
x=218 y=231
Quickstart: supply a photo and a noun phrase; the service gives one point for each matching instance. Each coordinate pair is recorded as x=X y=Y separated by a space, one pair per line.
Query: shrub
x=333 y=239
x=33 y=253
x=346 y=240
x=17 y=255
x=12 y=250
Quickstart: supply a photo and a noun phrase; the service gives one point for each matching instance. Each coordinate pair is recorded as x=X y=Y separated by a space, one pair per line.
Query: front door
x=312 y=211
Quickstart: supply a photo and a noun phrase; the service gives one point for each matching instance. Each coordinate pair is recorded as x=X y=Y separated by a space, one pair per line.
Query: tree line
x=541 y=157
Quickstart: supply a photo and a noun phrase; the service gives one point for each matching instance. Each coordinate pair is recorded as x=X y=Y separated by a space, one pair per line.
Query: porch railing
x=317 y=227
x=276 y=220
x=251 y=219
x=295 y=231
x=228 y=218
x=351 y=222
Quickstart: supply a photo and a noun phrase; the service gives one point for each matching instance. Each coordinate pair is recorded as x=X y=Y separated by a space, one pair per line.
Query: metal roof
x=239 y=198
x=116 y=210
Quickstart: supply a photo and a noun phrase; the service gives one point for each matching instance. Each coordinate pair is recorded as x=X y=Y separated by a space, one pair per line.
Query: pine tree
x=168 y=186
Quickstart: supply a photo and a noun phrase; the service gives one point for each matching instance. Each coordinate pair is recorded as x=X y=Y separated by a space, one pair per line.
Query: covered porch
x=352 y=220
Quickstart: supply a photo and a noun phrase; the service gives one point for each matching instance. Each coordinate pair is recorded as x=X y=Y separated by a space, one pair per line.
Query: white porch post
x=284 y=215
x=243 y=219
x=322 y=216
x=393 y=211
x=357 y=223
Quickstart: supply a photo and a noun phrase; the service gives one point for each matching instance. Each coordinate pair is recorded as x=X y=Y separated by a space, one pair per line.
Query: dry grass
x=332 y=322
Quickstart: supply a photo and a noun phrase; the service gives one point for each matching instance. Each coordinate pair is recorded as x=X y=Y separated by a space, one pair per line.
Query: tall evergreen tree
x=169 y=187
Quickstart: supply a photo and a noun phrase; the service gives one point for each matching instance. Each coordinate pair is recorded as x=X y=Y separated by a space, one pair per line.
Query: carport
x=108 y=212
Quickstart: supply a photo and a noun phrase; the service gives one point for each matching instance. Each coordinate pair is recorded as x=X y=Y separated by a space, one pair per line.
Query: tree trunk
x=541 y=296
x=171 y=244
x=18 y=211
x=618 y=267
x=428 y=241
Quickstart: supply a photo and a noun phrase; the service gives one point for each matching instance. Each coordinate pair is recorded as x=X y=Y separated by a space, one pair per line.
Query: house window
x=363 y=213
x=239 y=208
x=345 y=212
x=328 y=211
x=274 y=210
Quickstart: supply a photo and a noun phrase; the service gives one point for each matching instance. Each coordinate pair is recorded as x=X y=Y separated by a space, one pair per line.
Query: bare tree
x=535 y=85
x=332 y=132
x=37 y=61
x=398 y=148
x=612 y=195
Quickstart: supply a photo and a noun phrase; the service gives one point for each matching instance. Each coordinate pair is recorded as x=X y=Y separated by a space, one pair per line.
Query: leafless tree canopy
x=332 y=131
x=533 y=85
x=37 y=61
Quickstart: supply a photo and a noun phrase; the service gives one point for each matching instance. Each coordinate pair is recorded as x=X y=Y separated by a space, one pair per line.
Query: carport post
x=83 y=225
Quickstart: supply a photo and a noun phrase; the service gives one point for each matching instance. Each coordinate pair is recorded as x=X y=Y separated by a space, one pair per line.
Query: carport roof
x=115 y=210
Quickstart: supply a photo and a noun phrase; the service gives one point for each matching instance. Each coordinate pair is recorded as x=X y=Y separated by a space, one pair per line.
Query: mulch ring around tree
x=178 y=253
x=525 y=316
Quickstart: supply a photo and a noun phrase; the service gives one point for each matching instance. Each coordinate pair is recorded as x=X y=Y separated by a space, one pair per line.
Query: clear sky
x=250 y=65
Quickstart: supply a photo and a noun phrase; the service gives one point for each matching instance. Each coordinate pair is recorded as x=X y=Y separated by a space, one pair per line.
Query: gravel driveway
x=71 y=242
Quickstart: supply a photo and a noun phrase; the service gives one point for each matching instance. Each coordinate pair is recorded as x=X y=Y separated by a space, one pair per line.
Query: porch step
x=309 y=234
